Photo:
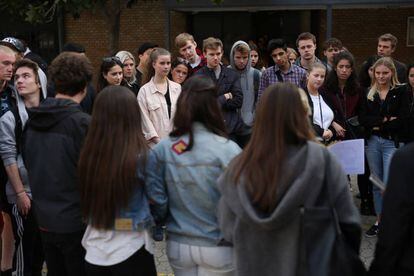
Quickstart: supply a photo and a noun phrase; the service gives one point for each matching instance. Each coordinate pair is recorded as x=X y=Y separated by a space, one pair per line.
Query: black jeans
x=139 y=264
x=64 y=253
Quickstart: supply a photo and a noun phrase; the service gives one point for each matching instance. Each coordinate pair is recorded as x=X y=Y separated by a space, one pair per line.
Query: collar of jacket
x=154 y=87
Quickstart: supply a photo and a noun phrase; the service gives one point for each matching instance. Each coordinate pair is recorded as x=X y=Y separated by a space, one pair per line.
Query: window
x=410 y=31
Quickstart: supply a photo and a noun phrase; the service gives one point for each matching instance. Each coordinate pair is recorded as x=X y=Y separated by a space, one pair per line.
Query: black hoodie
x=52 y=142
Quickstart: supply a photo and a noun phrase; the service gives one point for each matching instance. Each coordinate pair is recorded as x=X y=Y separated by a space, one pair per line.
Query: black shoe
x=372 y=232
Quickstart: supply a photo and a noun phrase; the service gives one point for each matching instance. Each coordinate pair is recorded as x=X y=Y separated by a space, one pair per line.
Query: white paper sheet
x=350 y=154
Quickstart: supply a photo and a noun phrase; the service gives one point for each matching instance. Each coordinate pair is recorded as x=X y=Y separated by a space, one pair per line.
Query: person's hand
x=392 y=118
x=340 y=131
x=327 y=134
x=23 y=203
x=228 y=96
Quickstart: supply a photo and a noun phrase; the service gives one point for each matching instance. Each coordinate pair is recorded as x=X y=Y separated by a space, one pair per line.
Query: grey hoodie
x=247 y=86
x=268 y=244
x=8 y=148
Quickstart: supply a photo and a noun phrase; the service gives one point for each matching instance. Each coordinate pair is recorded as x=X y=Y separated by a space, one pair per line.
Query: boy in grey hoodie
x=28 y=253
x=249 y=81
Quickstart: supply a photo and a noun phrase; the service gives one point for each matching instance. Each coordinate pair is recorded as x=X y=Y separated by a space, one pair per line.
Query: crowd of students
x=222 y=158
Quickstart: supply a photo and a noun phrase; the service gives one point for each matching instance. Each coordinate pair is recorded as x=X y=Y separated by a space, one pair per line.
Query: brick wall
x=146 y=21
x=359 y=29
x=142 y=22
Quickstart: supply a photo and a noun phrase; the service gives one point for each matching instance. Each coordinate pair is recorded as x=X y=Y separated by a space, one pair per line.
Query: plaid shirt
x=295 y=75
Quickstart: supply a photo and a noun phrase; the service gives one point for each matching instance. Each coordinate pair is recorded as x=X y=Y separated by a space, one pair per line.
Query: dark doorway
x=41 y=38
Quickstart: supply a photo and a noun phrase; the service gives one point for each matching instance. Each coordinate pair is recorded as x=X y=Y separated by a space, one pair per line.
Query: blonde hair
x=7 y=50
x=123 y=56
x=181 y=39
x=387 y=62
x=292 y=51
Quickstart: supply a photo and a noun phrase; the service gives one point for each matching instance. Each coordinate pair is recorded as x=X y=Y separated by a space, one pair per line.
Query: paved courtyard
x=367 y=246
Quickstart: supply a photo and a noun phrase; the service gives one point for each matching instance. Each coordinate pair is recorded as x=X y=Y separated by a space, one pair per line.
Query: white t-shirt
x=327 y=117
x=197 y=62
x=110 y=247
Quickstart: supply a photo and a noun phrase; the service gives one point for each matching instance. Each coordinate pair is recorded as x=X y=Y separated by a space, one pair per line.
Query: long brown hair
x=114 y=148
x=281 y=120
x=198 y=103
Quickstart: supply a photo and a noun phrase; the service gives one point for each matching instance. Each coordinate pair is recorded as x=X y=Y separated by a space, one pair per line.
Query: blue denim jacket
x=137 y=216
x=183 y=184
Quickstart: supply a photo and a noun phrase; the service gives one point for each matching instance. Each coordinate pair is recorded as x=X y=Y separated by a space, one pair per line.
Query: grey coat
x=268 y=244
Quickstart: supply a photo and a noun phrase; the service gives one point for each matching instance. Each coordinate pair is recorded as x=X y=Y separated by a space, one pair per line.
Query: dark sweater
x=372 y=114
x=51 y=145
x=228 y=81
x=394 y=253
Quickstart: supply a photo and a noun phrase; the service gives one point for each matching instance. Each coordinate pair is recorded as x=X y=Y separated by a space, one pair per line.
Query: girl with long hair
x=382 y=114
x=322 y=115
x=409 y=122
x=110 y=73
x=157 y=98
x=182 y=182
x=113 y=199
x=280 y=170
x=343 y=92
x=129 y=70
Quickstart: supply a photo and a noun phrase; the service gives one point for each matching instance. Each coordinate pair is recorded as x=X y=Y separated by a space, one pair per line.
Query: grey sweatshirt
x=268 y=244
x=247 y=86
x=8 y=149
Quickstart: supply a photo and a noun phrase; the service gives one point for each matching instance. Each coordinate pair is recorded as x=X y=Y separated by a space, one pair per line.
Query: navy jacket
x=228 y=81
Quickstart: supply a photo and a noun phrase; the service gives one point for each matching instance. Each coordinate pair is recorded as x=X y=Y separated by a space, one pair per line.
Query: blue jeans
x=379 y=153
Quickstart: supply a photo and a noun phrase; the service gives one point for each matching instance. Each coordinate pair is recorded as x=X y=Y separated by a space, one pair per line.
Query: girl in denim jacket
x=182 y=182
x=114 y=202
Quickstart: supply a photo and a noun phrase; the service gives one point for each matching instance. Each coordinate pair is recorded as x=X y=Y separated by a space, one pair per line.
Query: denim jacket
x=137 y=216
x=183 y=185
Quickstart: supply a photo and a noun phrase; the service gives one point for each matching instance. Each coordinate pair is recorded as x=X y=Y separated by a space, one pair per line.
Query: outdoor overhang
x=266 y=5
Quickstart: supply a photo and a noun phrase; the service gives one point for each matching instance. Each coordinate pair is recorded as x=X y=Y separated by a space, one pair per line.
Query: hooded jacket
x=9 y=143
x=248 y=88
x=51 y=145
x=269 y=244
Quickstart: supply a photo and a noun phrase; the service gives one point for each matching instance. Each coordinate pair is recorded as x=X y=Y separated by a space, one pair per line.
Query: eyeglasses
x=109 y=59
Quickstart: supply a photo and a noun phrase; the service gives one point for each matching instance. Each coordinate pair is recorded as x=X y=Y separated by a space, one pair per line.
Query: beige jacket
x=154 y=110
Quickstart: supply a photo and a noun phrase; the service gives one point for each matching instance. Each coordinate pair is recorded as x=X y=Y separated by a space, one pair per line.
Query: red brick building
x=357 y=23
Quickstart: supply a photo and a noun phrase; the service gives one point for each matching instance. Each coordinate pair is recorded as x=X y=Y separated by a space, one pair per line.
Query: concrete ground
x=366 y=253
